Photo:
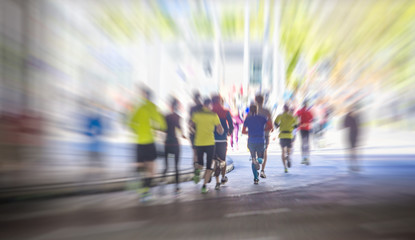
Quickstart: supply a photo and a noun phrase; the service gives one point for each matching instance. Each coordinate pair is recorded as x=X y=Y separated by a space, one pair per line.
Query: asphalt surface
x=321 y=201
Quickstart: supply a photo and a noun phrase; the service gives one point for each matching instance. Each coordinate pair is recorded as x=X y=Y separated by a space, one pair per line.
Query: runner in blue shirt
x=257 y=125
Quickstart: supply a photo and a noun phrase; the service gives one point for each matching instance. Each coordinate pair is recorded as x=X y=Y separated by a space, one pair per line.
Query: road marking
x=77 y=232
x=261 y=212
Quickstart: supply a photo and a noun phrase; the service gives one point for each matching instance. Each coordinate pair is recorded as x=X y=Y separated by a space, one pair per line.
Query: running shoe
x=256 y=181
x=224 y=180
x=286 y=170
x=204 y=190
x=263 y=174
x=307 y=161
x=178 y=190
x=304 y=161
x=143 y=190
x=196 y=177
x=217 y=187
x=145 y=195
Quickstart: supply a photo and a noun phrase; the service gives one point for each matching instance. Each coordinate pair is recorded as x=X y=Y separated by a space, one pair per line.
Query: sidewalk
x=64 y=168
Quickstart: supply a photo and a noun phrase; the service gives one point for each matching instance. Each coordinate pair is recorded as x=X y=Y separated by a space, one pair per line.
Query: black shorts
x=285 y=142
x=266 y=141
x=146 y=152
x=220 y=150
x=172 y=148
x=209 y=150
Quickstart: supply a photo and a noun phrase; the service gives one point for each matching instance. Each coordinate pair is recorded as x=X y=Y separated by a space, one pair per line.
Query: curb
x=93 y=187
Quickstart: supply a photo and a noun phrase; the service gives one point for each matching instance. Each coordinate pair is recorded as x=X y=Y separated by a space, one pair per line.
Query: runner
x=205 y=122
x=221 y=140
x=352 y=123
x=237 y=121
x=259 y=99
x=306 y=118
x=198 y=105
x=146 y=118
x=286 y=122
x=257 y=125
x=172 y=143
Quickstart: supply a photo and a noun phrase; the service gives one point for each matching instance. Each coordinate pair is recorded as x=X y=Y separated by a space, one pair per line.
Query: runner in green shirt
x=205 y=123
x=286 y=122
x=145 y=119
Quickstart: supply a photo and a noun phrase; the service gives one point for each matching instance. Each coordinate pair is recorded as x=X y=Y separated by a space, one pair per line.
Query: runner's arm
x=244 y=130
x=218 y=125
x=230 y=123
x=277 y=122
x=268 y=126
x=179 y=126
x=133 y=123
x=219 y=129
x=158 y=118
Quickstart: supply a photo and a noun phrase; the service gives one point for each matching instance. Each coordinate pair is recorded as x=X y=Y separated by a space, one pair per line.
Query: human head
x=174 y=104
x=259 y=99
x=207 y=102
x=146 y=92
x=196 y=97
x=305 y=104
x=216 y=99
x=286 y=108
x=253 y=109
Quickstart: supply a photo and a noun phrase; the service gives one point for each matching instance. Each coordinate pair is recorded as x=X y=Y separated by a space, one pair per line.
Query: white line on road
x=261 y=212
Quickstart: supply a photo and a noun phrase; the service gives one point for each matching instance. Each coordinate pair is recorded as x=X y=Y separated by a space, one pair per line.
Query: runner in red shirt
x=305 y=118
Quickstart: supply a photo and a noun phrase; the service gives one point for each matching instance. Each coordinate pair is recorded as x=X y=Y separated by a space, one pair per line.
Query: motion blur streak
x=70 y=73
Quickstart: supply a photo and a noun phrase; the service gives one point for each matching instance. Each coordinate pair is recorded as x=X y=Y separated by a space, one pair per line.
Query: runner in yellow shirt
x=205 y=123
x=145 y=119
x=286 y=122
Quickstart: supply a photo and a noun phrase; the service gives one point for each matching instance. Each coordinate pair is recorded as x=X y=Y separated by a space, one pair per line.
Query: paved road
x=321 y=201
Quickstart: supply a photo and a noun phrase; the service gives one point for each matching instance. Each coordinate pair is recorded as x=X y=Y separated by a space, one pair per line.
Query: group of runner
x=210 y=125
x=258 y=126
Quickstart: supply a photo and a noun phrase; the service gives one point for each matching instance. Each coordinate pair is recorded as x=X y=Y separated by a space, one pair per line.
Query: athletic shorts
x=146 y=152
x=172 y=148
x=256 y=149
x=285 y=142
x=209 y=150
x=220 y=150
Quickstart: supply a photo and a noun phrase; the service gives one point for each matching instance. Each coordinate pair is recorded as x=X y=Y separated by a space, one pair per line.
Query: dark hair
x=259 y=99
x=147 y=92
x=286 y=108
x=305 y=103
x=207 y=101
x=216 y=99
x=174 y=103
x=196 y=96
x=253 y=109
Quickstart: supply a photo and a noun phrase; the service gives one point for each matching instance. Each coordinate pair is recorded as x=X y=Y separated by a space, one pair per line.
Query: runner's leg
x=176 y=164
